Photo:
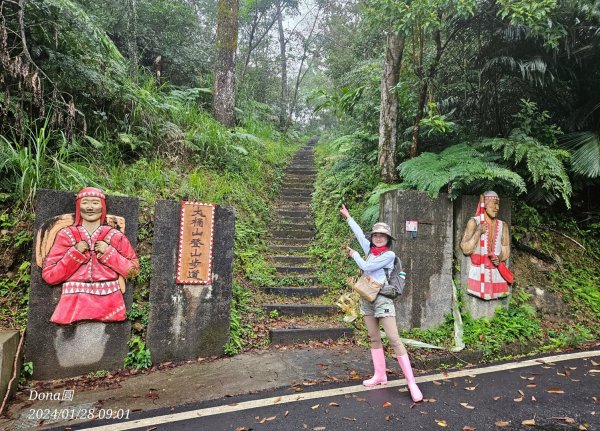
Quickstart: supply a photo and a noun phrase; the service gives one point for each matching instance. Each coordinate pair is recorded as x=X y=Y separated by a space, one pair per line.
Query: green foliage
x=138 y=356
x=14 y=297
x=139 y=312
x=580 y=287
x=517 y=324
x=458 y=168
x=26 y=372
x=238 y=330
x=571 y=337
x=44 y=160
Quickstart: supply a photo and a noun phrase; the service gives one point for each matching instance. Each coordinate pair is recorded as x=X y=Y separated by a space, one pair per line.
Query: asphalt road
x=552 y=393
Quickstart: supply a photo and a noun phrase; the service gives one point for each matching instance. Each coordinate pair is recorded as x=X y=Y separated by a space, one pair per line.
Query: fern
x=456 y=168
x=544 y=165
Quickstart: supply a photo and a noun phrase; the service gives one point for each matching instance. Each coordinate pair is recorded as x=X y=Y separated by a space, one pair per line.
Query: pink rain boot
x=415 y=392
x=379 y=377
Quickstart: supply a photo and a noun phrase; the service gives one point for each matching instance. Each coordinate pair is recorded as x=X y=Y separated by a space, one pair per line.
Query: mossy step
x=302 y=193
x=294 y=198
x=295 y=269
x=286 y=233
x=293 y=213
x=297 y=260
x=302 y=309
x=288 y=248
x=301 y=335
x=302 y=224
x=295 y=290
x=301 y=172
x=290 y=241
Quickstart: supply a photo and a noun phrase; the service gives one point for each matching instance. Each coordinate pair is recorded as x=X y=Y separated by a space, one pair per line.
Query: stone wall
x=9 y=344
x=189 y=321
x=426 y=257
x=59 y=351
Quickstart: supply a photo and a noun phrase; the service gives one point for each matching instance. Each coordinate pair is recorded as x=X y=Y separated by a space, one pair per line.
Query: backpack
x=395 y=280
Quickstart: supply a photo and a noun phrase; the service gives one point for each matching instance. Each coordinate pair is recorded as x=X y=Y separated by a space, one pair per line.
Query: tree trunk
x=132 y=38
x=421 y=107
x=283 y=103
x=389 y=107
x=224 y=78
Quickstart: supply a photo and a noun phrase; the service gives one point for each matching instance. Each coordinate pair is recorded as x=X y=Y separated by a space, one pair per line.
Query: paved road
x=554 y=393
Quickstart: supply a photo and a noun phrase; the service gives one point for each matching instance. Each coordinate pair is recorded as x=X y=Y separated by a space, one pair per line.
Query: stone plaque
x=189 y=320
x=59 y=351
x=423 y=227
x=196 y=233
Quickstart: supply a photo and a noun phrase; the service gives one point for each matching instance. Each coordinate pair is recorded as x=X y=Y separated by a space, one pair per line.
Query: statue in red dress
x=90 y=259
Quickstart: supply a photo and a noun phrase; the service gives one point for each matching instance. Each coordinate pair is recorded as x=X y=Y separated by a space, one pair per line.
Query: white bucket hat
x=380 y=228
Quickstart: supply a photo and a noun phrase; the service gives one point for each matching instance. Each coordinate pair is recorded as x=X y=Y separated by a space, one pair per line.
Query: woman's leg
x=377 y=354
x=391 y=331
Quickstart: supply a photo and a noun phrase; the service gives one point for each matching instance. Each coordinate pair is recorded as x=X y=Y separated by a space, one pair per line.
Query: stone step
x=301 y=280
x=291 y=198
x=295 y=290
x=301 y=172
x=302 y=309
x=293 y=214
x=293 y=205
x=301 y=335
x=296 y=260
x=302 y=193
x=303 y=180
x=296 y=234
x=290 y=241
x=288 y=248
x=295 y=270
x=285 y=223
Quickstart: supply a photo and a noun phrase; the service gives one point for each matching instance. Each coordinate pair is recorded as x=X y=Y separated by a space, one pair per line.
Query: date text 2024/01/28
x=71 y=414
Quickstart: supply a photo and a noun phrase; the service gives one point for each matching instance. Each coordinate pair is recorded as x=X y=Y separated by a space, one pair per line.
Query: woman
x=88 y=258
x=376 y=244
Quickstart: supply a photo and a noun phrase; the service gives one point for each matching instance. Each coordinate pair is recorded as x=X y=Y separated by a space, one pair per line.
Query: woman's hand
x=351 y=251
x=344 y=211
x=100 y=247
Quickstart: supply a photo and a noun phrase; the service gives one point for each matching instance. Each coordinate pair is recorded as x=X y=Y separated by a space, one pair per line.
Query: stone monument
x=191 y=286
x=424 y=229
x=78 y=295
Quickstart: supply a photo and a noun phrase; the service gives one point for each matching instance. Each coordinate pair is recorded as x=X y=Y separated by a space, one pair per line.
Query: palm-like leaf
x=585 y=148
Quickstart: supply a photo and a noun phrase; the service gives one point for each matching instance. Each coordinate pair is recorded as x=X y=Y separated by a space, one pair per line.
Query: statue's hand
x=100 y=247
x=481 y=228
x=82 y=246
x=495 y=260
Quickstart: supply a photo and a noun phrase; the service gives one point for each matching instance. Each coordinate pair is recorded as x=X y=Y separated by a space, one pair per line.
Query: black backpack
x=395 y=280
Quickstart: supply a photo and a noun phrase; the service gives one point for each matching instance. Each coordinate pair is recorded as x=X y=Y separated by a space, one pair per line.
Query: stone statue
x=91 y=259
x=486 y=240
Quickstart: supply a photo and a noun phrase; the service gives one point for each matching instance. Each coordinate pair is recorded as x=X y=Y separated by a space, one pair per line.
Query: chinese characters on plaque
x=194 y=263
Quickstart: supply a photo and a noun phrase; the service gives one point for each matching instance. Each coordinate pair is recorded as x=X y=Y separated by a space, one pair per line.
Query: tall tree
x=283 y=102
x=224 y=77
x=388 y=114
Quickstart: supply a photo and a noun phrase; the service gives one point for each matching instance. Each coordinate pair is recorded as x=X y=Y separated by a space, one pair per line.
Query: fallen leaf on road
x=595 y=364
x=334 y=404
x=502 y=424
x=387 y=404
x=528 y=422
x=521 y=392
x=533 y=398
x=350 y=419
x=441 y=423
x=429 y=400
x=566 y=419
x=271 y=418
x=496 y=398
x=531 y=385
x=316 y=406
x=361 y=399
x=242 y=429
x=594 y=371
x=468 y=428
x=518 y=400
x=471 y=388
x=467 y=406
x=388 y=418
x=435 y=382
x=287 y=412
x=555 y=391
x=319 y=429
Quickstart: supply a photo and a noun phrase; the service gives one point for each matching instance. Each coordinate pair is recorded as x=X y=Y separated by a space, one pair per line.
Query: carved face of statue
x=492 y=207
x=91 y=209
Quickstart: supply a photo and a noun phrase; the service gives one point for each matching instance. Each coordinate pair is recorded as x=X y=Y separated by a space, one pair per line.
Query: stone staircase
x=289 y=242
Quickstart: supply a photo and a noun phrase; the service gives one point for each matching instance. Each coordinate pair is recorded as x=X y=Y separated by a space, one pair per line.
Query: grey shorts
x=381 y=307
